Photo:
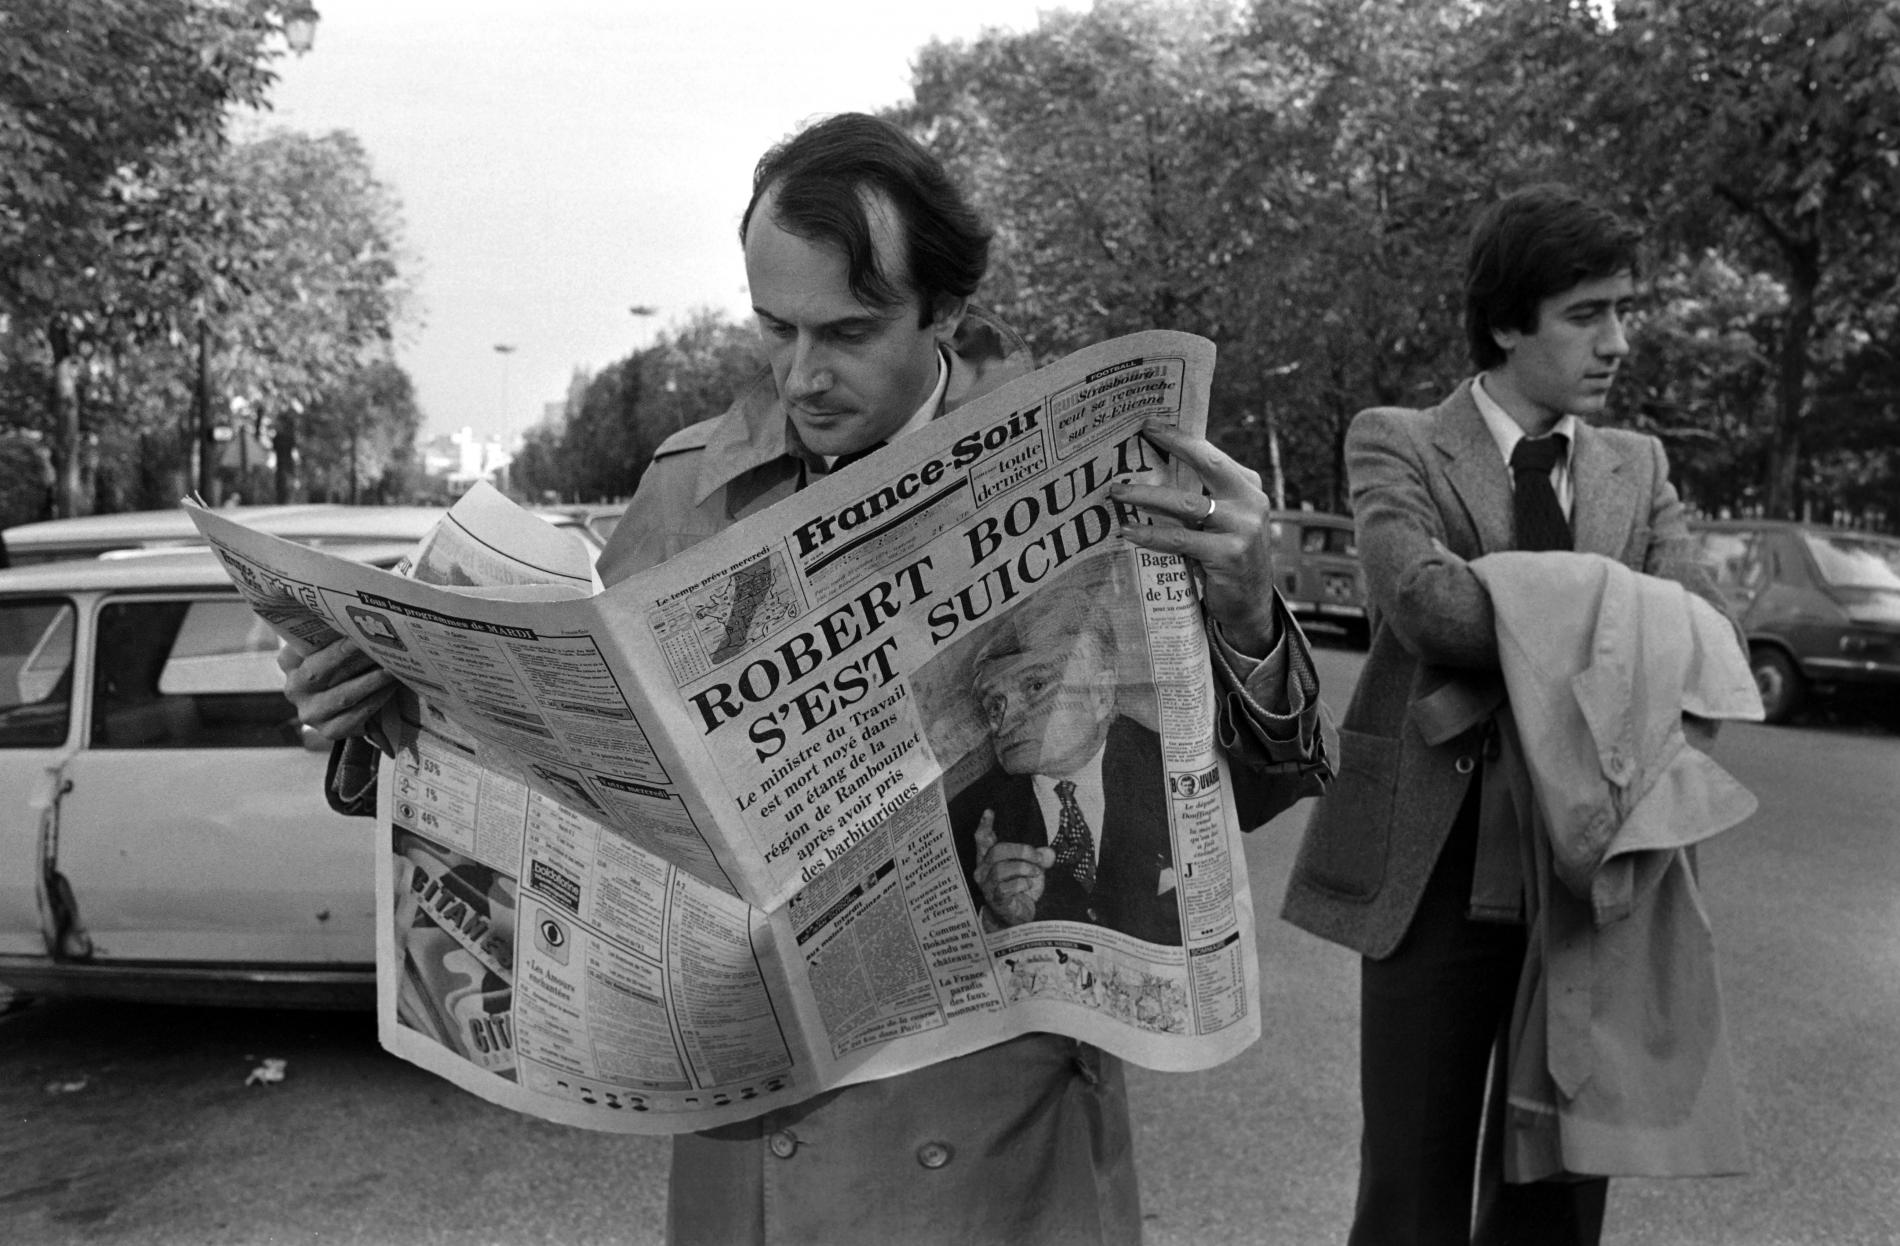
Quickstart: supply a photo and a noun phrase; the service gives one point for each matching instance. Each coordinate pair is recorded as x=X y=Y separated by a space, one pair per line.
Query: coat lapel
x=1605 y=505
x=1475 y=469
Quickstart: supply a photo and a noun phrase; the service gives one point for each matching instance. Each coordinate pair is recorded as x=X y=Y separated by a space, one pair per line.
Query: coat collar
x=1603 y=495
x=1474 y=467
x=1605 y=503
x=755 y=435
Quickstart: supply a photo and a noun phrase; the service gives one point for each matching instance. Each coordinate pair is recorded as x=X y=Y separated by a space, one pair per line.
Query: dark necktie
x=845 y=460
x=1075 y=847
x=1539 y=518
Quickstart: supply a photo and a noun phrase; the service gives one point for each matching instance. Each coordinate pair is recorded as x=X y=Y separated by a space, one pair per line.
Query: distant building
x=460 y=459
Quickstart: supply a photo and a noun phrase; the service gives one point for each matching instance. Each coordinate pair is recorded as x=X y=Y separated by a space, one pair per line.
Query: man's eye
x=773 y=328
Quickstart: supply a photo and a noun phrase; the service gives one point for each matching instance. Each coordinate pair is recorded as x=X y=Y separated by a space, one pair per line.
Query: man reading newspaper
x=862 y=257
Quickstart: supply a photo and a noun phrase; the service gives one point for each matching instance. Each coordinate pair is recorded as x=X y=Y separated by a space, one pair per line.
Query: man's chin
x=1019 y=760
x=1592 y=400
x=842 y=433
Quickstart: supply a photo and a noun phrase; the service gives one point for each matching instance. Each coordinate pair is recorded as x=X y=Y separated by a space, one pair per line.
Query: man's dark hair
x=1530 y=245
x=820 y=177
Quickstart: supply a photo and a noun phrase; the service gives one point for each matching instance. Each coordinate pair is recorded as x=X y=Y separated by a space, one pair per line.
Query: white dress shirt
x=1506 y=432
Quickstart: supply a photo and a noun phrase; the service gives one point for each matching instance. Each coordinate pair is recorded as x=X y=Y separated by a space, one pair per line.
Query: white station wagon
x=163 y=834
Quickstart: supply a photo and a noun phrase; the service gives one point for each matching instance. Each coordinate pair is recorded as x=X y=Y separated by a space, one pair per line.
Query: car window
x=1323 y=539
x=1853 y=561
x=36 y=669
x=1734 y=558
x=188 y=674
x=222 y=647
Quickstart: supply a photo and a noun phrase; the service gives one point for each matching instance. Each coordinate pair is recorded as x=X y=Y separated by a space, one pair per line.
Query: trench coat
x=1024 y=1142
x=1619 y=1056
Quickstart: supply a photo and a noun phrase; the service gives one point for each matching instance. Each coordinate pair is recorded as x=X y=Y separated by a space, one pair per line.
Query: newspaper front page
x=714 y=840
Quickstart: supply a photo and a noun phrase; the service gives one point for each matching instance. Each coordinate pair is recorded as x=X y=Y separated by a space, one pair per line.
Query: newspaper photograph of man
x=1069 y=822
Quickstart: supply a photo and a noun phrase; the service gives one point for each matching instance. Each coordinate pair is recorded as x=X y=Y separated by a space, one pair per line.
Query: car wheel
x=1781 y=686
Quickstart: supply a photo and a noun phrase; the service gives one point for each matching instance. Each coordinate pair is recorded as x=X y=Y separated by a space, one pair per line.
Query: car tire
x=1783 y=688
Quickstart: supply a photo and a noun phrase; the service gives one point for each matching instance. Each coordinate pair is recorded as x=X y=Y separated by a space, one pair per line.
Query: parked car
x=327 y=525
x=163 y=834
x=596 y=520
x=1820 y=606
x=132 y=532
x=1316 y=556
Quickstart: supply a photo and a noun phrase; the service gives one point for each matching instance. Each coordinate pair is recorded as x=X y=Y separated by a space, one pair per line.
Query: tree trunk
x=1337 y=486
x=1784 y=442
x=69 y=496
x=204 y=442
x=284 y=442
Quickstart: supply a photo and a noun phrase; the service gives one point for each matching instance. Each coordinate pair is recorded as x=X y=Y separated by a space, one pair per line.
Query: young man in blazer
x=1406 y=860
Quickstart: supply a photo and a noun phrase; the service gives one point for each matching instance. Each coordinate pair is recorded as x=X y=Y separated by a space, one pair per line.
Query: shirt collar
x=1087 y=779
x=1506 y=432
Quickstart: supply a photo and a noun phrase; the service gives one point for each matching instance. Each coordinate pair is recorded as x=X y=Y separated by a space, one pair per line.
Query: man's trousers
x=1431 y=1016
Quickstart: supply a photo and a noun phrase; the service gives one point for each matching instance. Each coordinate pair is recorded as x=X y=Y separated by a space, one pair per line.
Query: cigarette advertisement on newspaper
x=917 y=760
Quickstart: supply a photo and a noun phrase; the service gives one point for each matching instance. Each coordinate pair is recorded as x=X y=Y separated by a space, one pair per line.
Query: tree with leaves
x=94 y=97
x=359 y=437
x=318 y=240
x=1769 y=135
x=615 y=419
x=1290 y=180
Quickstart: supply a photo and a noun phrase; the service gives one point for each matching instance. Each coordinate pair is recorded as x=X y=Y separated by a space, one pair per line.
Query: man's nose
x=808 y=375
x=1615 y=342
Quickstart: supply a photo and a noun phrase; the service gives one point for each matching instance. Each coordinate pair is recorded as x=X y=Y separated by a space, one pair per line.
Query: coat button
x=1464 y=765
x=783 y=1143
x=934 y=1154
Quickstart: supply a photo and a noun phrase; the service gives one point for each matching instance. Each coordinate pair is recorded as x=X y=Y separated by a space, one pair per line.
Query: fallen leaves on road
x=272 y=1070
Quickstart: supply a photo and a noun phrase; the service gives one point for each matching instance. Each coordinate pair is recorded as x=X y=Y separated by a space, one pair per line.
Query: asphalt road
x=123 y=1125
x=1804 y=899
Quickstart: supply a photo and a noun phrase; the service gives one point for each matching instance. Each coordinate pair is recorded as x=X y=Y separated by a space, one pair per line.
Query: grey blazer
x=1431 y=492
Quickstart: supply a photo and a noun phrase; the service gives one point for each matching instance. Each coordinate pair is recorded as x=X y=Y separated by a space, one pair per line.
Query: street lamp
x=504 y=349
x=1278 y=477
x=300 y=25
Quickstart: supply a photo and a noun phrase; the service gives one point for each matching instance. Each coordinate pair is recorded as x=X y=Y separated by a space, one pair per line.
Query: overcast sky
x=562 y=161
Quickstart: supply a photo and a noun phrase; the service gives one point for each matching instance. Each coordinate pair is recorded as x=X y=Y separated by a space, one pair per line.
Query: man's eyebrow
x=869 y=320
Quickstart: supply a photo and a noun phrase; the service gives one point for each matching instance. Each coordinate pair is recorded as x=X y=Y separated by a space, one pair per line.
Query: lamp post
x=300 y=25
x=504 y=349
x=1278 y=477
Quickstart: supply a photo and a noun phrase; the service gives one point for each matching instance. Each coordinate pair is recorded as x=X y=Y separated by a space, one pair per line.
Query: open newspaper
x=713 y=840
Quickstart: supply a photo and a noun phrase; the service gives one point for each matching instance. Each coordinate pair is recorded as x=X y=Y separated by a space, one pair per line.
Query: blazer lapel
x=1604 y=504
x=1475 y=469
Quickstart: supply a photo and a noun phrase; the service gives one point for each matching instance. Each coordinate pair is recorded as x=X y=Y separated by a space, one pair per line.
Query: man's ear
x=1507 y=339
x=948 y=318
